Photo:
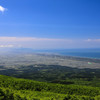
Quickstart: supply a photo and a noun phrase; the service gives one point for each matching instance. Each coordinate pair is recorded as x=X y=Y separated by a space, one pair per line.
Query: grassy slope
x=22 y=89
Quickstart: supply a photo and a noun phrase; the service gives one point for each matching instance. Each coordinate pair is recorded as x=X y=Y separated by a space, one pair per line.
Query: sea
x=86 y=53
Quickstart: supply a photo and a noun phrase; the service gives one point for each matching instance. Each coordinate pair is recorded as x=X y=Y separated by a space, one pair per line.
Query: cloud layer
x=2 y=9
x=27 y=39
x=45 y=43
x=93 y=40
x=6 y=46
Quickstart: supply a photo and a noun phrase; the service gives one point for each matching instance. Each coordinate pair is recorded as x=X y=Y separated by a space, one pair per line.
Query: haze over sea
x=88 y=53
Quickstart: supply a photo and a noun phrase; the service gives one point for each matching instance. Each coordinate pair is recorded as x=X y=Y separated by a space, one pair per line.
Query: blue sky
x=54 y=23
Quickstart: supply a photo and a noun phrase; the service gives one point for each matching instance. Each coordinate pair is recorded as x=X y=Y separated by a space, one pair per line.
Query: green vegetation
x=23 y=89
x=56 y=74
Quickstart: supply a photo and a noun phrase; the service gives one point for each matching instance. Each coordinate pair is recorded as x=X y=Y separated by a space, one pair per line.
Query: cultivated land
x=22 y=89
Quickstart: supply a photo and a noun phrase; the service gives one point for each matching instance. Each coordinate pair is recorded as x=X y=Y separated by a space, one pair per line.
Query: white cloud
x=2 y=9
x=93 y=40
x=8 y=46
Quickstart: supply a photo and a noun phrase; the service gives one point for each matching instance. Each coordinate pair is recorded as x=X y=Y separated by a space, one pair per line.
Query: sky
x=50 y=24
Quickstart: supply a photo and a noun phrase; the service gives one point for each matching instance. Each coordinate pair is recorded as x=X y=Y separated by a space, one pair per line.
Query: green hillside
x=24 y=89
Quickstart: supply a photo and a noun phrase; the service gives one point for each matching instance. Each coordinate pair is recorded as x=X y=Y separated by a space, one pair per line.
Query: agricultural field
x=23 y=89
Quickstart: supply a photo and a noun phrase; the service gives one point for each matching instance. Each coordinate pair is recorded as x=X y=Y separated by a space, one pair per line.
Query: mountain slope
x=23 y=89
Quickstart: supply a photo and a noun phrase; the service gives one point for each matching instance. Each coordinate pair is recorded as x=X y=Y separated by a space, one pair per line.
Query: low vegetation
x=24 y=89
